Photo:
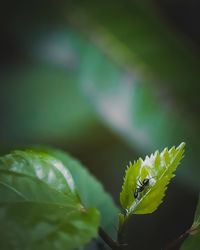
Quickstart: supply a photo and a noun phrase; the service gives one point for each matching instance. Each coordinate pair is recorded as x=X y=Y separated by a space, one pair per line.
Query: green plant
x=48 y=200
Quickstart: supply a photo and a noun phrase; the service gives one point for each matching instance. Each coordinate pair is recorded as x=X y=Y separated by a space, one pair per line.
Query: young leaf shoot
x=146 y=180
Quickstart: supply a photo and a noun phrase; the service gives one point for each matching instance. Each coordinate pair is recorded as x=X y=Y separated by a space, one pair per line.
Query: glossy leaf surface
x=139 y=198
x=39 y=205
x=91 y=191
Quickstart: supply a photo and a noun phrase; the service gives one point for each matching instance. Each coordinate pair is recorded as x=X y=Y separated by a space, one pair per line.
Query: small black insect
x=142 y=186
x=146 y=181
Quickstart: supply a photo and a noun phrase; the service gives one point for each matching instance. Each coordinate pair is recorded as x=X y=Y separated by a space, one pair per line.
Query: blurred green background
x=107 y=82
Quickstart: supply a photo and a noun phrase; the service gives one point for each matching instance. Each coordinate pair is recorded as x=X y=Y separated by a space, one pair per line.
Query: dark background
x=107 y=82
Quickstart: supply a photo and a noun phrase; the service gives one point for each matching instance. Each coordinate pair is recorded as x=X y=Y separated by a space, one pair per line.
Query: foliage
x=48 y=200
x=135 y=67
x=88 y=187
x=159 y=169
x=39 y=204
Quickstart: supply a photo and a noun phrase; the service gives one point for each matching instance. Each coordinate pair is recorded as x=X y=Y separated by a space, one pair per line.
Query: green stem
x=110 y=242
x=121 y=234
x=122 y=230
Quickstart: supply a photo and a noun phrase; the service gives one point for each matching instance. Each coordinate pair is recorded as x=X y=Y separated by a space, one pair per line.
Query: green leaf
x=91 y=191
x=159 y=169
x=39 y=205
x=193 y=241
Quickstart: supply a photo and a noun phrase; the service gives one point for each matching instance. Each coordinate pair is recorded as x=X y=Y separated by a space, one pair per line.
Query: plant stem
x=109 y=241
x=180 y=238
x=121 y=234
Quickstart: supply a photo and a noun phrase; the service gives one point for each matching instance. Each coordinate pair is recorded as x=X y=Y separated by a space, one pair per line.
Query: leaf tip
x=182 y=145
